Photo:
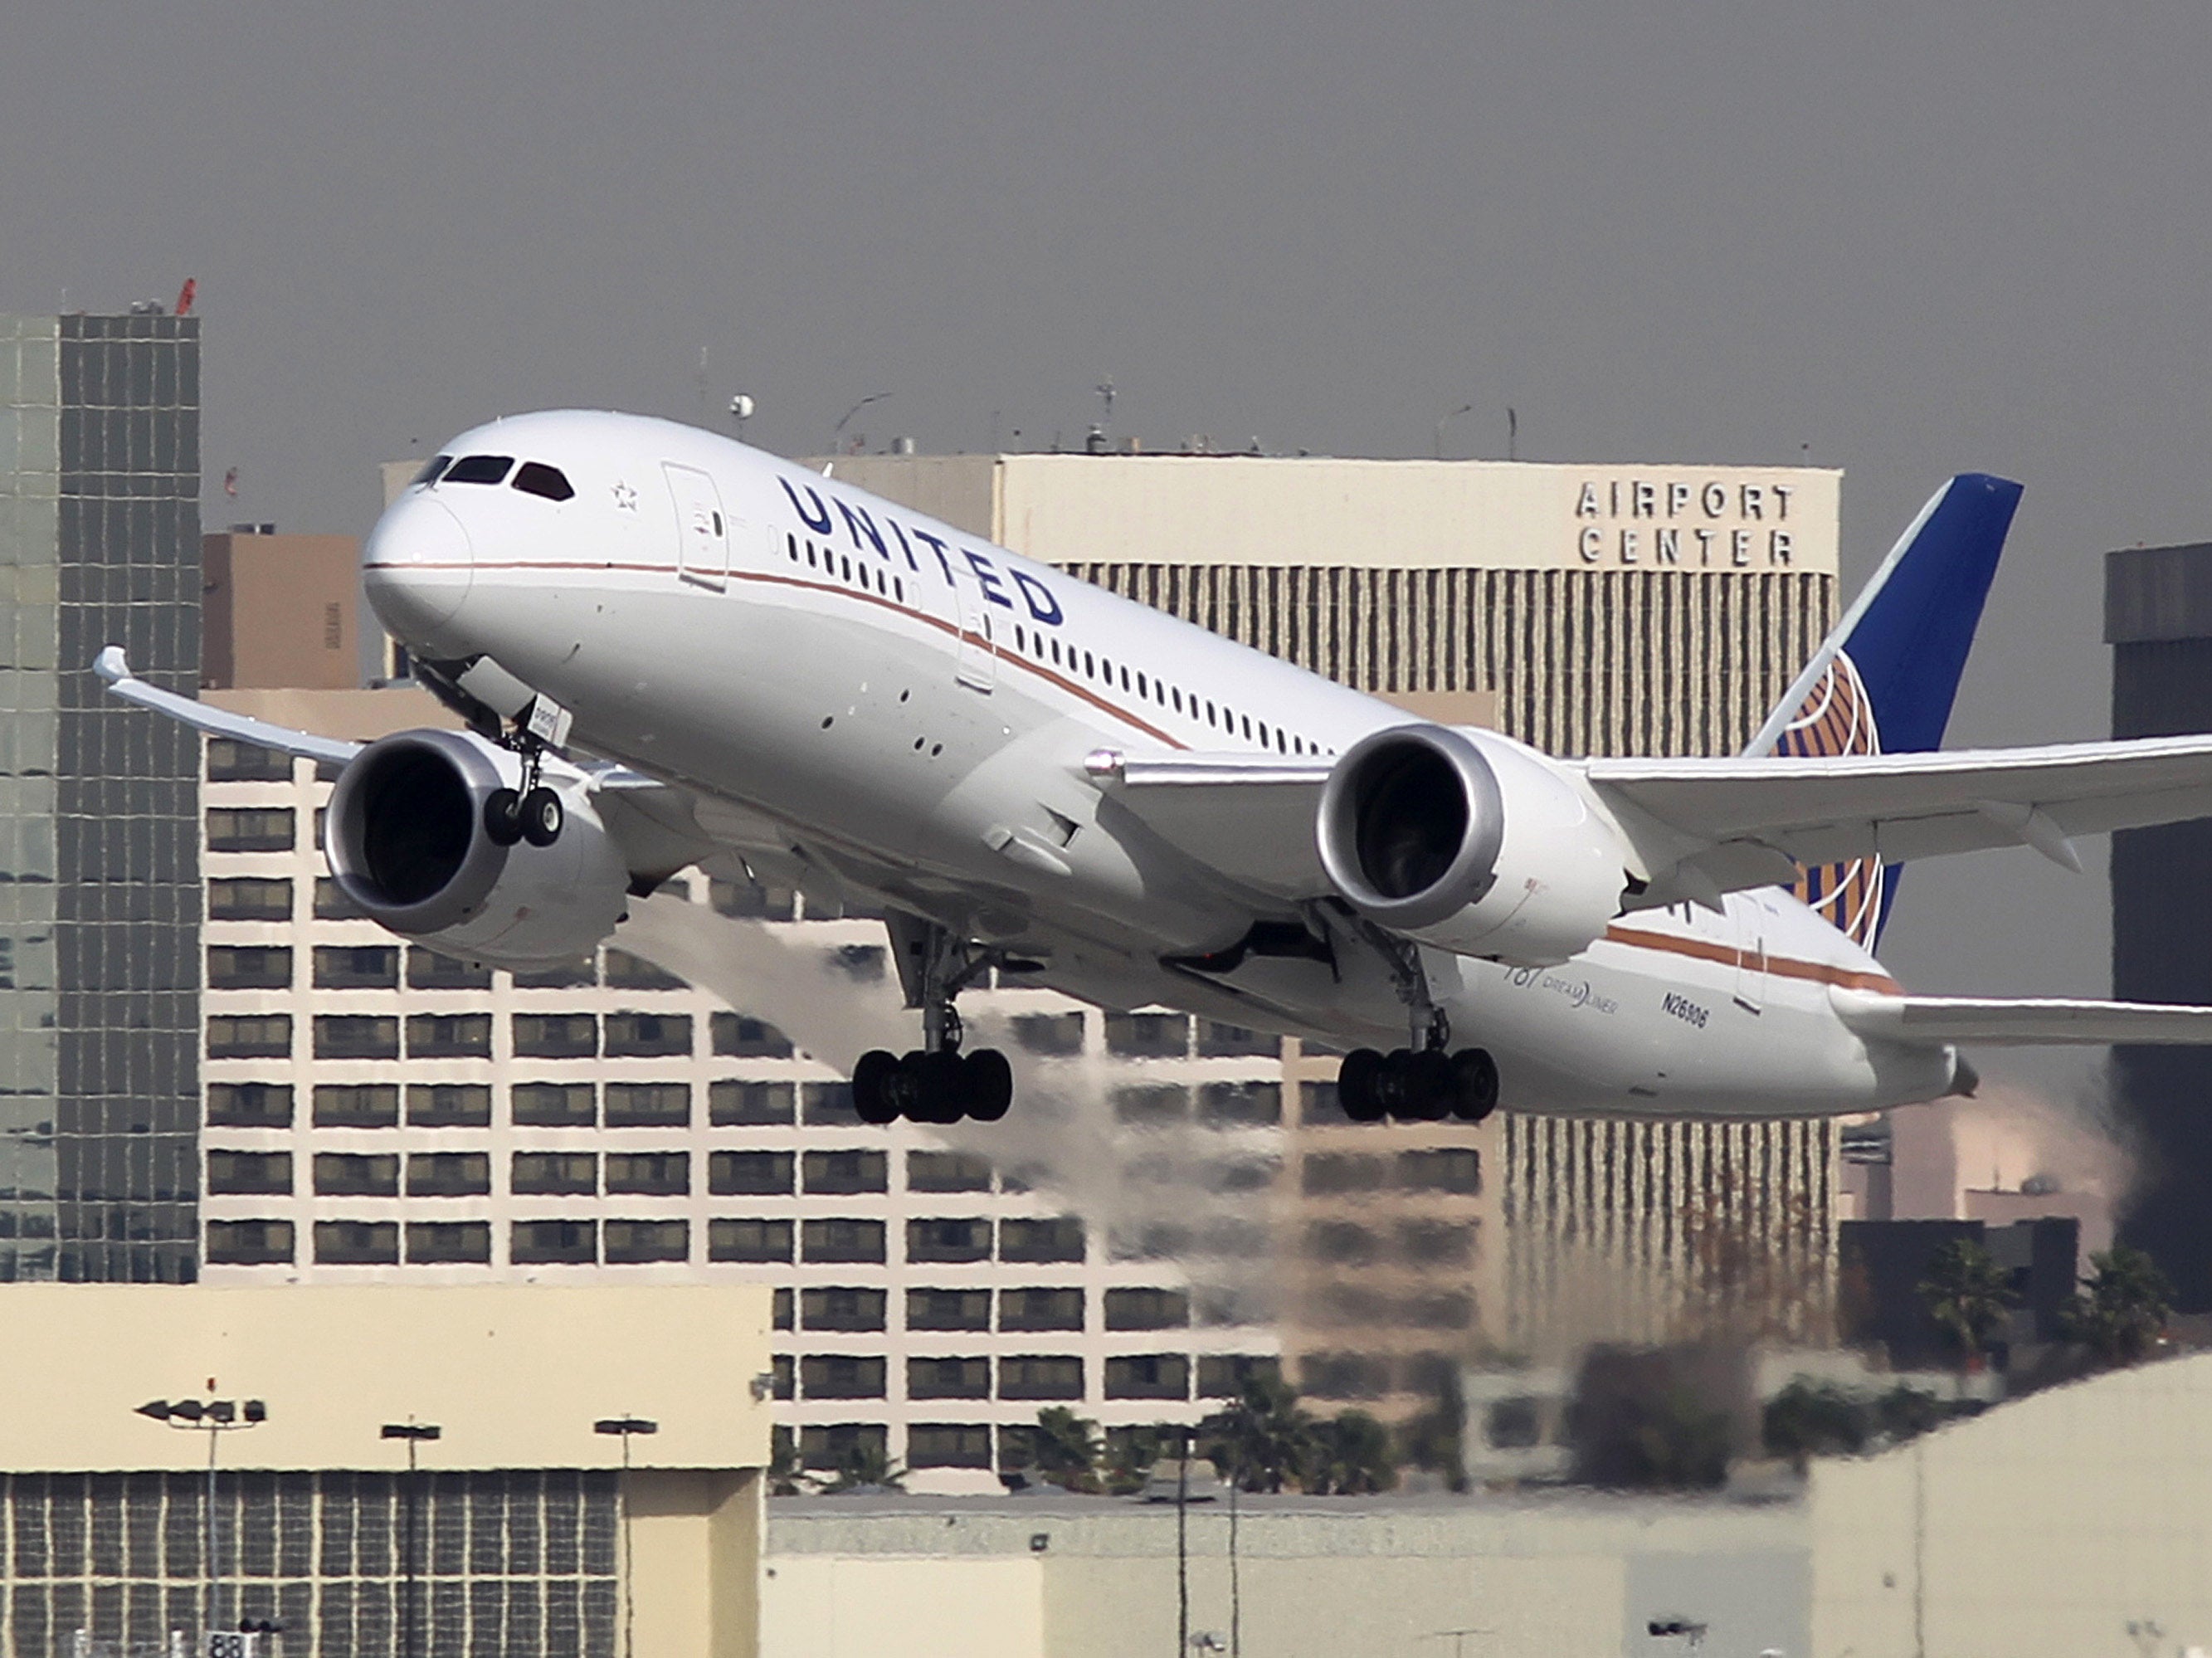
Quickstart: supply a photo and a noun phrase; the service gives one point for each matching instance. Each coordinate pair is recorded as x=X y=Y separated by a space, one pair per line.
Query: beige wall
x=514 y=1375
x=842 y=1606
x=280 y=610
x=2045 y=1527
x=694 y=1566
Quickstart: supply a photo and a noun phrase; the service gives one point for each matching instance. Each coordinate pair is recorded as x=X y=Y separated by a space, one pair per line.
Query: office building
x=2157 y=620
x=280 y=610
x=100 y=543
x=1586 y=610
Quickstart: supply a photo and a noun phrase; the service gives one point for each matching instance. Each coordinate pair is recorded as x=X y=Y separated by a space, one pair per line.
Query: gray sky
x=1906 y=239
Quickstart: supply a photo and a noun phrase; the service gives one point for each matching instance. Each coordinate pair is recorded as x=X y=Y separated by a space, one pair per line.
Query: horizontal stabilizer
x=2020 y=1022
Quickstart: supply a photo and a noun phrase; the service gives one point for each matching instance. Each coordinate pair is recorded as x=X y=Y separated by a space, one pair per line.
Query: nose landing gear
x=532 y=812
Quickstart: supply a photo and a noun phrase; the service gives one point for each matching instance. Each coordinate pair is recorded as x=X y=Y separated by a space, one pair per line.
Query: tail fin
x=1884 y=681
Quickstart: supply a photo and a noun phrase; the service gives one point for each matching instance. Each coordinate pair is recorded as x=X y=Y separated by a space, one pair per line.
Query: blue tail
x=1884 y=681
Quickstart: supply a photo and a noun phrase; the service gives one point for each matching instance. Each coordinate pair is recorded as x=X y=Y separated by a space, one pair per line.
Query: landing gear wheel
x=875 y=1088
x=1474 y=1084
x=541 y=816
x=989 y=1083
x=941 y=1087
x=1360 y=1085
x=1425 y=1085
x=502 y=818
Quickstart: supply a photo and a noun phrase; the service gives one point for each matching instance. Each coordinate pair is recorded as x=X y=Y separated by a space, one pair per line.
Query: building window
x=634 y=1035
x=249 y=1036
x=357 y=967
x=1341 y=1243
x=357 y=1242
x=332 y=903
x=781 y=1317
x=833 y=1307
x=648 y=1105
x=948 y=1309
x=249 y=829
x=449 y=1035
x=1240 y=1105
x=552 y=1243
x=1147 y=1310
x=627 y=972
x=249 y=1105
x=736 y=1036
x=841 y=1375
x=1454 y=1168
x=1217 y=1040
x=1148 y=1035
x=1434 y=1243
x=448 y=1175
x=826 y=1449
x=249 y=1242
x=449 y=1105
x=249 y=899
x=1343 y=1375
x=554 y=1105
x=1337 y=1173
x=1058 y=1238
x=1032 y=1376
x=427 y=969
x=556 y=1037
x=751 y=901
x=579 y=974
x=947 y=1171
x=756 y=1242
x=1054 y=1034
x=1441 y=1311
x=863 y=963
x=1151 y=1102
x=249 y=967
x=357 y=1036
x=637 y=1243
x=948 y=1378
x=648 y=1174
x=943 y=1240
x=554 y=1174
x=844 y=1173
x=828 y=1105
x=249 y=1174
x=1023 y=1310
x=231 y=761
x=749 y=1174
x=841 y=1241
x=442 y=1242
x=356 y=1174
x=947 y=1444
x=356 y=1105
x=1225 y=1376
x=734 y=1104
x=1148 y=1376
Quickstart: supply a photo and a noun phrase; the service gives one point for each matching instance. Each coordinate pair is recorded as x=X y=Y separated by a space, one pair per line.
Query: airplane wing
x=111 y=665
x=1247 y=815
x=1994 y=1022
x=1731 y=822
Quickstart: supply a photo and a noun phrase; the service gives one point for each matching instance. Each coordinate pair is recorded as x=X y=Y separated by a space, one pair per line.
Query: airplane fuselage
x=876 y=704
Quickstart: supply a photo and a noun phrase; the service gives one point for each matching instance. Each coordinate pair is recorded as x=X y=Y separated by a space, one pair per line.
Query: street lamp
x=214 y=1418
x=414 y=1433
x=623 y=1427
x=1464 y=409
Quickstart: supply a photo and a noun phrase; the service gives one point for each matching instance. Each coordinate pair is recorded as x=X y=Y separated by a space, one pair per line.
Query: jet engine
x=1469 y=843
x=409 y=839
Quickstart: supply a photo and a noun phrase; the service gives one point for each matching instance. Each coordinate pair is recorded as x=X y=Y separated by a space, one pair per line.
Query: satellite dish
x=741 y=407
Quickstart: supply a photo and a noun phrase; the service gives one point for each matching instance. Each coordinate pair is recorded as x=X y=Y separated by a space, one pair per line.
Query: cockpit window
x=480 y=469
x=429 y=473
x=536 y=478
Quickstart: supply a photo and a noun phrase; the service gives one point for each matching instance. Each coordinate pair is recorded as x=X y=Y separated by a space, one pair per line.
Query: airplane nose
x=416 y=568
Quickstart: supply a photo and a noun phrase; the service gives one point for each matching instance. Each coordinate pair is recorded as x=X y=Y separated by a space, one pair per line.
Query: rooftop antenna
x=1105 y=390
x=1512 y=433
x=703 y=416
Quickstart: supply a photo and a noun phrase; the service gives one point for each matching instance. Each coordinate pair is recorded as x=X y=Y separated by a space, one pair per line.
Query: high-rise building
x=2157 y=620
x=1585 y=610
x=100 y=904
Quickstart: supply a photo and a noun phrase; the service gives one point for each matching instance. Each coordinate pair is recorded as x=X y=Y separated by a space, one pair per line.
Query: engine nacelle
x=1471 y=844
x=405 y=839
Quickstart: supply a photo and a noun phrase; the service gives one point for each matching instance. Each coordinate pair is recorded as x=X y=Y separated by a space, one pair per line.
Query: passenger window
x=429 y=473
x=1142 y=690
x=536 y=478
x=1090 y=666
x=480 y=469
x=717 y=517
x=791 y=545
x=1178 y=699
x=1248 y=728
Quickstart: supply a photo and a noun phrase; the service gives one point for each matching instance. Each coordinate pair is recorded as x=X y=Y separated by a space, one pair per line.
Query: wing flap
x=2023 y=1022
x=1248 y=815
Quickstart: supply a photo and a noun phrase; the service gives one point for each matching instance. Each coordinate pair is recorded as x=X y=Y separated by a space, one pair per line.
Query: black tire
x=1360 y=1085
x=502 y=818
x=541 y=817
x=1425 y=1087
x=990 y=1084
x=942 y=1096
x=1474 y=1084
x=875 y=1090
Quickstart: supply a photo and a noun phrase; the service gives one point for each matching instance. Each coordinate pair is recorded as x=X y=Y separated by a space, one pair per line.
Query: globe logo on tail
x=1836 y=720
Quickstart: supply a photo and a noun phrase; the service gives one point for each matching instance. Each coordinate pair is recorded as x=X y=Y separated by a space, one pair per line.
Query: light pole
x=1464 y=409
x=415 y=1433
x=622 y=1427
x=214 y=1418
x=838 y=435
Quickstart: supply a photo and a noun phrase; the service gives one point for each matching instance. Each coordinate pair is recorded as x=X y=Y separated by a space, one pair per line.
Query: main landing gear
x=1418 y=1085
x=935 y=1083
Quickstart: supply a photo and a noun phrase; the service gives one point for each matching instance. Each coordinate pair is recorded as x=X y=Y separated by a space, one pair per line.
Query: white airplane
x=673 y=649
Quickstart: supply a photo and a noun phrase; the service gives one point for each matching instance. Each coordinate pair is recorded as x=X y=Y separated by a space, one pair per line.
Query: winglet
x=112 y=666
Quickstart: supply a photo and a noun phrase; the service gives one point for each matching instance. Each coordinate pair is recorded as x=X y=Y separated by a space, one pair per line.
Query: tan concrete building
x=1586 y=609
x=279 y=610
x=279 y=1494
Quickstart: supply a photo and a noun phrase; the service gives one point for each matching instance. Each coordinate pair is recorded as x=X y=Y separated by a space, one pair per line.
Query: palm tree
x=866 y=1467
x=1264 y=1439
x=1351 y=1457
x=1968 y=1294
x=1065 y=1448
x=2123 y=1306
